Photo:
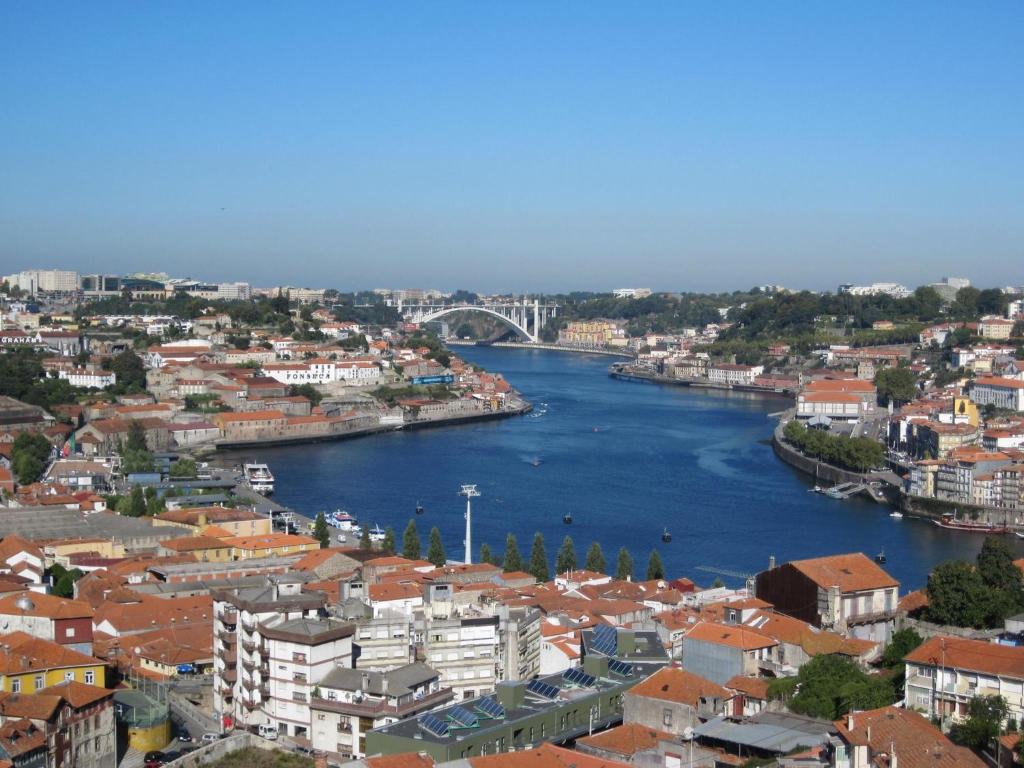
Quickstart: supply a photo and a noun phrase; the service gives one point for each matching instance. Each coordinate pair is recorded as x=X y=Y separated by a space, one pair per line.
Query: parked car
x=268 y=732
x=209 y=738
x=154 y=759
x=184 y=736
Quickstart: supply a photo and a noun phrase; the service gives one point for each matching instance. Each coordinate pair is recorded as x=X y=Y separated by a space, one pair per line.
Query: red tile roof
x=680 y=686
x=971 y=655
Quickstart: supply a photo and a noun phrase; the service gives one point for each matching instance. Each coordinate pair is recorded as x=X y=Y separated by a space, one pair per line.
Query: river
x=626 y=459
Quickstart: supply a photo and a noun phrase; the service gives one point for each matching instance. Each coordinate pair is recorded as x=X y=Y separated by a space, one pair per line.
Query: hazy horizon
x=525 y=148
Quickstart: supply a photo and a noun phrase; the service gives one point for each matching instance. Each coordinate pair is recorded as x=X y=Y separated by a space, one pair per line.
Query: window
x=666 y=717
x=69 y=675
x=96 y=744
x=40 y=682
x=69 y=632
x=90 y=677
x=543 y=730
x=15 y=686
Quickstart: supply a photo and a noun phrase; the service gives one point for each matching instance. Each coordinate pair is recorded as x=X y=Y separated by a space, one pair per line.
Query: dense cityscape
x=155 y=589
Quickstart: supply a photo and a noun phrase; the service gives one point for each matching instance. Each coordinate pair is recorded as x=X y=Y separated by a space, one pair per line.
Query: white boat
x=896 y=515
x=342 y=520
x=259 y=478
x=376 y=534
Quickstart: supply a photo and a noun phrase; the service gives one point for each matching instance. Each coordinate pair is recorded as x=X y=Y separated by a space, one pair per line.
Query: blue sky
x=515 y=146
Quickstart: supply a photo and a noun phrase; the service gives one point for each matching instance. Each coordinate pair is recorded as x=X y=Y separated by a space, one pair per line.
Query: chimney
x=771 y=562
x=364 y=683
x=849 y=721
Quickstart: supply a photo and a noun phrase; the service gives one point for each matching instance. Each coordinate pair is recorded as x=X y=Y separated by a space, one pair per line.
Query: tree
x=136 y=440
x=388 y=545
x=183 y=468
x=486 y=556
x=985 y=717
x=966 y=304
x=136 y=506
x=130 y=372
x=320 y=530
x=435 y=549
x=411 y=542
x=901 y=644
x=957 y=595
x=565 y=560
x=513 y=560
x=995 y=564
x=29 y=455
x=828 y=686
x=895 y=385
x=64 y=585
x=595 y=559
x=655 y=568
x=624 y=565
x=364 y=539
x=539 y=558
x=307 y=391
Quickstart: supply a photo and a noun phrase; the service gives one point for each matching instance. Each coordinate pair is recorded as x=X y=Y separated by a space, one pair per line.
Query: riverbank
x=617 y=372
x=550 y=347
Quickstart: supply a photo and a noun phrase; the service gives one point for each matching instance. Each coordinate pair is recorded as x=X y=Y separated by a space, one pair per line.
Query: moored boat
x=952 y=523
x=259 y=478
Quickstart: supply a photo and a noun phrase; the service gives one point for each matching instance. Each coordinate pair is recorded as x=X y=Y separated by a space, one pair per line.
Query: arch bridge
x=523 y=316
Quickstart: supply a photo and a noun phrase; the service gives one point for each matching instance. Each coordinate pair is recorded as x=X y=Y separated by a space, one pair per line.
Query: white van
x=267 y=732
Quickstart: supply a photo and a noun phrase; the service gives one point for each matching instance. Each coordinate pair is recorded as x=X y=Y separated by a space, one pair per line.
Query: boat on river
x=953 y=523
x=259 y=478
x=377 y=534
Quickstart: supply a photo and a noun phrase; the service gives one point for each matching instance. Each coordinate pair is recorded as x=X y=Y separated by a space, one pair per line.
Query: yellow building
x=964 y=407
x=238 y=522
x=29 y=664
x=205 y=549
x=271 y=545
x=60 y=551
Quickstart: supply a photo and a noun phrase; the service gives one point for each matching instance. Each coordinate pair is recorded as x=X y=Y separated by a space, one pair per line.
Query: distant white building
x=82 y=377
x=895 y=290
x=47 y=280
x=631 y=293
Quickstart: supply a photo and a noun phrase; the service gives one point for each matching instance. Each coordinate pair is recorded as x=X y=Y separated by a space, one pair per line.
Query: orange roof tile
x=679 y=686
x=970 y=655
x=626 y=739
x=733 y=636
x=853 y=572
x=544 y=756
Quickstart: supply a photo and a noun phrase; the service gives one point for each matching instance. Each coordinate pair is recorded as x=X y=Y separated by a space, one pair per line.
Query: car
x=154 y=759
x=209 y=738
x=184 y=736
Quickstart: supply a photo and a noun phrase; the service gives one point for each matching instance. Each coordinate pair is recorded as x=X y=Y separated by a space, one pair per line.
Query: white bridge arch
x=516 y=315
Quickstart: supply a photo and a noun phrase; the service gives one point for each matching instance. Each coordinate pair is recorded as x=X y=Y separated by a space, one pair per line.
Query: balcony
x=870 y=618
x=228 y=638
x=229 y=617
x=249 y=665
x=230 y=675
x=249 y=646
x=264 y=690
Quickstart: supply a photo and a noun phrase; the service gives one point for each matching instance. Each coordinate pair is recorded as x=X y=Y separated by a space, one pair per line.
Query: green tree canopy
x=136 y=503
x=995 y=564
x=184 y=467
x=364 y=538
x=320 y=531
x=539 y=558
x=896 y=385
x=624 y=565
x=902 y=643
x=985 y=717
x=513 y=560
x=307 y=391
x=828 y=686
x=435 y=549
x=486 y=556
x=595 y=559
x=411 y=542
x=29 y=454
x=565 y=560
x=655 y=568
x=388 y=545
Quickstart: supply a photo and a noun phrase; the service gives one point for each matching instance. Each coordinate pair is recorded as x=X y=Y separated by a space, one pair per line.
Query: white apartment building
x=83 y=377
x=464 y=650
x=296 y=656
x=730 y=373
x=358 y=372
x=352 y=702
x=895 y=290
x=999 y=391
x=234 y=291
x=46 y=280
x=241 y=663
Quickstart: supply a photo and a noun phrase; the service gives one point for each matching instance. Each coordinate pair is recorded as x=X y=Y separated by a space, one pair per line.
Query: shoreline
x=548 y=347
x=521 y=410
x=655 y=378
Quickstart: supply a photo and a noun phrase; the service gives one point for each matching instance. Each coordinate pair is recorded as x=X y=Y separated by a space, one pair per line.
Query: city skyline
x=533 y=149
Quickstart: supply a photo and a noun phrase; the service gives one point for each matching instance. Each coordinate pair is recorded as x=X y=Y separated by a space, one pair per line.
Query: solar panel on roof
x=434 y=725
x=620 y=668
x=605 y=640
x=491 y=708
x=579 y=677
x=544 y=690
x=463 y=717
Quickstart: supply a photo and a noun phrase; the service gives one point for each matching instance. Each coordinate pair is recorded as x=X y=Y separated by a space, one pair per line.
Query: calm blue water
x=626 y=459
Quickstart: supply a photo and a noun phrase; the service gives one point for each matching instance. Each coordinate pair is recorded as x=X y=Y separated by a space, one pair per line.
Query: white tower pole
x=470 y=492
